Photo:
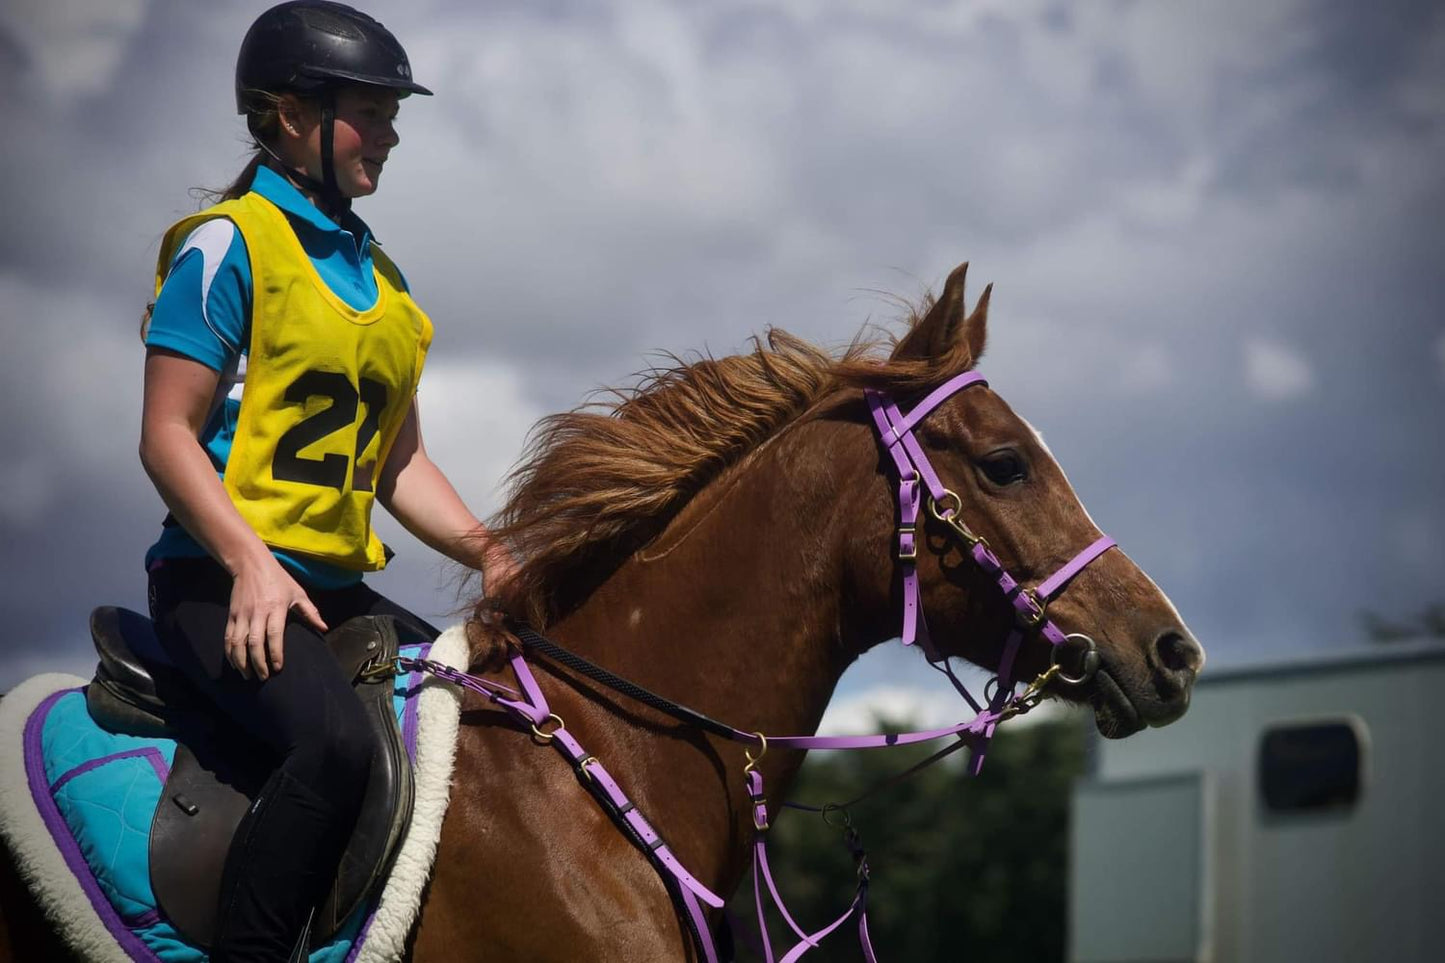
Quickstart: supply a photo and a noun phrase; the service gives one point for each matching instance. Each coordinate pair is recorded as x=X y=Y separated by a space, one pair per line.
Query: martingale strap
x=530 y=707
x=535 y=641
x=762 y=872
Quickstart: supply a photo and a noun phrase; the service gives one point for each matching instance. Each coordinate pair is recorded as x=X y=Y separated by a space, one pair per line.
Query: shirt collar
x=281 y=192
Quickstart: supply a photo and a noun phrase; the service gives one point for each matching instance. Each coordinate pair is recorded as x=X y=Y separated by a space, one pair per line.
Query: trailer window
x=1305 y=768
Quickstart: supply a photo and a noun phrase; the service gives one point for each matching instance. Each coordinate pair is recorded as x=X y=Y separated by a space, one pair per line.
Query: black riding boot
x=280 y=865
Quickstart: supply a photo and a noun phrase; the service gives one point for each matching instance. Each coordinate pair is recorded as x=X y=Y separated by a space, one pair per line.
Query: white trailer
x=1295 y=815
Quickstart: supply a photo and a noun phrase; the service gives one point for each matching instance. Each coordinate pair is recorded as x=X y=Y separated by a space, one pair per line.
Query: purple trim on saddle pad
x=64 y=841
x=363 y=933
x=145 y=920
x=361 y=936
x=150 y=753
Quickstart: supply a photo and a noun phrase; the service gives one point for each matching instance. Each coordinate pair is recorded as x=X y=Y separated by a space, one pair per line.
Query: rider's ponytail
x=263 y=121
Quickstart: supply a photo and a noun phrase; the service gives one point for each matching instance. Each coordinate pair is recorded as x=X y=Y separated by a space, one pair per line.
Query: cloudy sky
x=1215 y=230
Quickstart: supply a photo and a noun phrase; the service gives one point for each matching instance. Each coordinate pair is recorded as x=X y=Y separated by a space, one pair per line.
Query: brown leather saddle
x=213 y=780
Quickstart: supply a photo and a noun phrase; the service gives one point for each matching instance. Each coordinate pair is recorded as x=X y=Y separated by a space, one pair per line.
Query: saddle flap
x=384 y=815
x=190 y=837
x=207 y=795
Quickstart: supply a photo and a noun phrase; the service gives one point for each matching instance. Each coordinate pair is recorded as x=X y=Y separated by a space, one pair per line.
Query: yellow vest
x=327 y=389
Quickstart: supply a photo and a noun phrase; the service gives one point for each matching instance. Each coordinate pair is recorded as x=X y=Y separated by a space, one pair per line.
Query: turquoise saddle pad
x=97 y=792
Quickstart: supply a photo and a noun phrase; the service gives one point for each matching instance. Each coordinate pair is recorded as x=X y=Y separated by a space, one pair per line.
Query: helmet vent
x=329 y=23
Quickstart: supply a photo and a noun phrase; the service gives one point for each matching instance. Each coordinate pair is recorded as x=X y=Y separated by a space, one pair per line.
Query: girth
x=213 y=781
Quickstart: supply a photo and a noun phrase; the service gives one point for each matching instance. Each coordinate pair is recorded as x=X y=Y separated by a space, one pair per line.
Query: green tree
x=962 y=868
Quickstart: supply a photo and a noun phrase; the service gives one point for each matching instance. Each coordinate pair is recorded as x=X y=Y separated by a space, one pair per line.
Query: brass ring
x=753 y=761
x=937 y=513
x=544 y=738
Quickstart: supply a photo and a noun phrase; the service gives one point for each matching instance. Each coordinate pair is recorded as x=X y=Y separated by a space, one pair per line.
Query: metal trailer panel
x=1140 y=874
x=1362 y=883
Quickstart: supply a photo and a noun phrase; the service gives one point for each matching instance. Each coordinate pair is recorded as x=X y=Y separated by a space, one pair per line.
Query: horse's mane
x=598 y=483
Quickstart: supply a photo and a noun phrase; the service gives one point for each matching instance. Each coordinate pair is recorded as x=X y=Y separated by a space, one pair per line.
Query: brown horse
x=724 y=535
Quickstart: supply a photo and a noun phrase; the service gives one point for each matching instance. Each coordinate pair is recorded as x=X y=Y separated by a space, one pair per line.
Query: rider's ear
x=948 y=333
x=292 y=116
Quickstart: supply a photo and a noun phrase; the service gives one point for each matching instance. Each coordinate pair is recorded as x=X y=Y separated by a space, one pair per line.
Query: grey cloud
x=1150 y=185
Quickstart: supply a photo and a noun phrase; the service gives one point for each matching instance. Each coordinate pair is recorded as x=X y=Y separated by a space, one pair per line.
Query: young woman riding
x=283 y=354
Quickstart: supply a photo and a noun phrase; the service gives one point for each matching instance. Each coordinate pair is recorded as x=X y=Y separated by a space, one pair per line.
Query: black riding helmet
x=310 y=47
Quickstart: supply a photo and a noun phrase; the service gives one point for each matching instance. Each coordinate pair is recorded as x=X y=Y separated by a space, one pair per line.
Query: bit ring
x=1088 y=660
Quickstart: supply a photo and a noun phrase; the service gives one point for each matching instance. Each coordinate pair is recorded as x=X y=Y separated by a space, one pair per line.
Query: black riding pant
x=306 y=720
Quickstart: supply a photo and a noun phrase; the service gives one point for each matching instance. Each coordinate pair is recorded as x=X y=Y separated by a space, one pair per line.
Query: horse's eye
x=1003 y=467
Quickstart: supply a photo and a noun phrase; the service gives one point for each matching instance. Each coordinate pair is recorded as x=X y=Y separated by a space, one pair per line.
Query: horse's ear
x=948 y=332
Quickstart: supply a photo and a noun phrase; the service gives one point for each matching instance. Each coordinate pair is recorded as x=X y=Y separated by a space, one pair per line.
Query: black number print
x=329 y=470
x=373 y=398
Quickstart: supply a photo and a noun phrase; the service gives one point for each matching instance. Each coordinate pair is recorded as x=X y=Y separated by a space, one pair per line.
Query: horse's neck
x=739 y=611
x=736 y=608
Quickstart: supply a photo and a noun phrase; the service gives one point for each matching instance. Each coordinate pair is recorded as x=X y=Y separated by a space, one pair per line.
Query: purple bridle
x=529 y=705
x=895 y=432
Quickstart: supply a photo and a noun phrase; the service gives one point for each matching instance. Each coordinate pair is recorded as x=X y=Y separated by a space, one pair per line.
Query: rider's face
x=364 y=134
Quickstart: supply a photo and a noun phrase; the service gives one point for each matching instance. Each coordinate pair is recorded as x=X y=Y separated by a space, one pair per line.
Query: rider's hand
x=262 y=594
x=498 y=566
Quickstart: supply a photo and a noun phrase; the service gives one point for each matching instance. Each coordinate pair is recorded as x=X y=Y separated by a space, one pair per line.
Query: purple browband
x=895 y=430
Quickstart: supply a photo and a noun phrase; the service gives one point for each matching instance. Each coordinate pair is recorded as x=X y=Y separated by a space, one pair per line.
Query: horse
x=724 y=533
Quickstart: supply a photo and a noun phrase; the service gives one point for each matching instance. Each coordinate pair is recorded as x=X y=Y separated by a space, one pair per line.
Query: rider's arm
x=416 y=492
x=178 y=398
x=178 y=394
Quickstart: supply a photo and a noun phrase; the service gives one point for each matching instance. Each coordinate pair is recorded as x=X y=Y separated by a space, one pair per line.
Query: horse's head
x=1013 y=494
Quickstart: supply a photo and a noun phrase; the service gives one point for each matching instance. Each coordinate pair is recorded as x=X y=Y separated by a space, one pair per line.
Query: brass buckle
x=1041 y=609
x=760 y=804
x=909 y=554
x=379 y=670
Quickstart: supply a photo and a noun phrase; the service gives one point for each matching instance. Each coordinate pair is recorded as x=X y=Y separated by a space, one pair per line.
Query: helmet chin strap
x=328 y=194
x=332 y=202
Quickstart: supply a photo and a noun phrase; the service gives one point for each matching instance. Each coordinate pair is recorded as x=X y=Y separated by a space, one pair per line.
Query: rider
x=283 y=354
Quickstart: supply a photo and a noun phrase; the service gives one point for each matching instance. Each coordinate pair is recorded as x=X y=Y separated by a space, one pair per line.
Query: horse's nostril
x=1178 y=653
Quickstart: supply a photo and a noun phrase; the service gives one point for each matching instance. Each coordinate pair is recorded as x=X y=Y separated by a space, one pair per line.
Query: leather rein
x=917 y=478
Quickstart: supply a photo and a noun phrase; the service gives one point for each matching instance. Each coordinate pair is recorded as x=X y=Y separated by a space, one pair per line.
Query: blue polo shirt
x=203 y=311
